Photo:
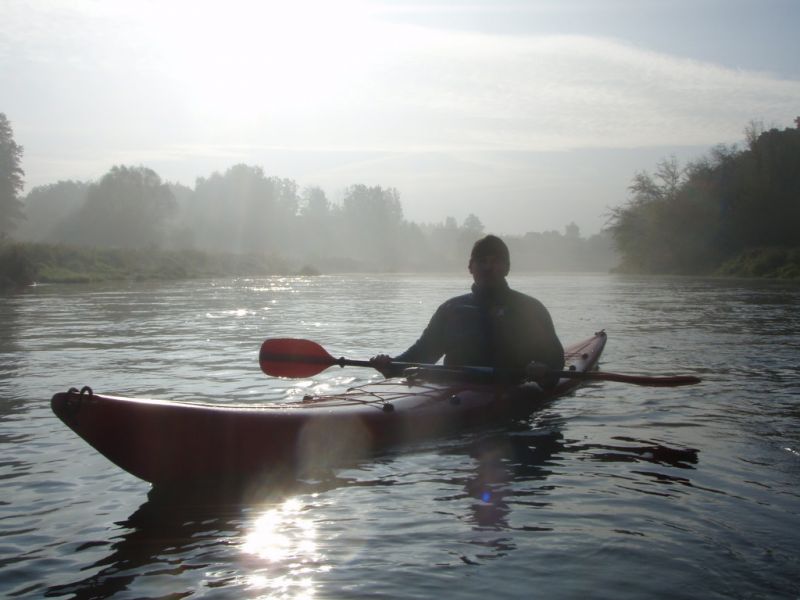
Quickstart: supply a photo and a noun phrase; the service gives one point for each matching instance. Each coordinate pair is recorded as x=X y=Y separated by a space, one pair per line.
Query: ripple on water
x=617 y=491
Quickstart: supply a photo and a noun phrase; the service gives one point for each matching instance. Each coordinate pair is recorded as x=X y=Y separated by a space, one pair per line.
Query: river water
x=616 y=491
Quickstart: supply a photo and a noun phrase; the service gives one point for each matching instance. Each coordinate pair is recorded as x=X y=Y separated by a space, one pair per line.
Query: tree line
x=245 y=211
x=735 y=211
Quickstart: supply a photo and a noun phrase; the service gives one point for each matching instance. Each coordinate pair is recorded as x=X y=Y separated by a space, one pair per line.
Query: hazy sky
x=530 y=114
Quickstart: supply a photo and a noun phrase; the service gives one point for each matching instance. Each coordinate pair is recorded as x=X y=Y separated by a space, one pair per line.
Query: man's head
x=489 y=261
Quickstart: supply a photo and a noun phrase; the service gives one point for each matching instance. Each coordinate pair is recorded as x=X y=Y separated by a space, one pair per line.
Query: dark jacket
x=495 y=328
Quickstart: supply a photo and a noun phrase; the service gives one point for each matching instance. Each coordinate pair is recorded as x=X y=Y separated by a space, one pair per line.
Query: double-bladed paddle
x=289 y=357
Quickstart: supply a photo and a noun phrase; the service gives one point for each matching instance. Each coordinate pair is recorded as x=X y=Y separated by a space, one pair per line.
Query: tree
x=280 y=226
x=230 y=210
x=372 y=219
x=315 y=204
x=572 y=231
x=128 y=208
x=373 y=206
x=693 y=220
x=639 y=228
x=445 y=249
x=182 y=235
x=771 y=186
x=753 y=131
x=663 y=186
x=473 y=225
x=11 y=179
x=287 y=200
x=242 y=210
x=471 y=231
x=314 y=236
x=47 y=206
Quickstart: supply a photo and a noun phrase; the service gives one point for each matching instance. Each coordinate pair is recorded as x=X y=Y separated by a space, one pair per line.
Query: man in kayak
x=493 y=326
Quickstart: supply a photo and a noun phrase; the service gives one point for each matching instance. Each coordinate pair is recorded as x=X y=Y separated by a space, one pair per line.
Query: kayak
x=170 y=443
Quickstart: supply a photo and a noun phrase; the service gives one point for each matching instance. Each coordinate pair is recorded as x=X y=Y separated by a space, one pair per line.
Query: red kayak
x=167 y=442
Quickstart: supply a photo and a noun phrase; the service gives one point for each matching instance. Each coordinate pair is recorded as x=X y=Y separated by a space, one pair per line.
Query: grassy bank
x=26 y=263
x=777 y=263
x=23 y=264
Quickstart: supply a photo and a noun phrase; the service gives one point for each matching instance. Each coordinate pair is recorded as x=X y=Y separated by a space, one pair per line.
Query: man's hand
x=536 y=371
x=382 y=363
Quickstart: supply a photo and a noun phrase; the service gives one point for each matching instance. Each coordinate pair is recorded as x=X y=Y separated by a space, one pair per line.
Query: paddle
x=289 y=357
x=657 y=380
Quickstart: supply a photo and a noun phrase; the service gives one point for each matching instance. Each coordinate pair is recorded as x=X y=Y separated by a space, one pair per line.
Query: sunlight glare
x=286 y=540
x=268 y=56
x=282 y=534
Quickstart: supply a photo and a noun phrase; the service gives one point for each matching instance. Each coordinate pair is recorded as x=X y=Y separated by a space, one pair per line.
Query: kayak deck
x=167 y=442
x=582 y=356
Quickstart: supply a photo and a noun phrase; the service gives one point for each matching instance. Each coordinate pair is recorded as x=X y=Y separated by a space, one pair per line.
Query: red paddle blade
x=287 y=357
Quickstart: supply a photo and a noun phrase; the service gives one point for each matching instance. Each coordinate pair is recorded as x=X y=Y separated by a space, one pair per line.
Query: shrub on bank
x=16 y=266
x=22 y=264
x=779 y=263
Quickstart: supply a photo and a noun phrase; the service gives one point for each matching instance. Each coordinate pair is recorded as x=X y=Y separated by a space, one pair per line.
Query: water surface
x=616 y=491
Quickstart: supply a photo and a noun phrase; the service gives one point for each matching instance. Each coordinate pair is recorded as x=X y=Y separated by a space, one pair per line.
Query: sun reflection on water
x=286 y=540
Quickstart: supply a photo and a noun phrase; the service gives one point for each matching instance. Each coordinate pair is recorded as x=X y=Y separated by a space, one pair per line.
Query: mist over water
x=616 y=491
x=243 y=211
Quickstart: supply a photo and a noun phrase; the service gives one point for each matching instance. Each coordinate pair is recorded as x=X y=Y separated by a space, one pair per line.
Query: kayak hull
x=165 y=442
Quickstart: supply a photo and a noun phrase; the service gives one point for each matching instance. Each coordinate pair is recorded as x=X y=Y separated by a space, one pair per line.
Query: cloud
x=346 y=80
x=455 y=90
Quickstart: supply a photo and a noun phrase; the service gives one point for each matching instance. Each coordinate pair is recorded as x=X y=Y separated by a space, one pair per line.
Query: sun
x=265 y=58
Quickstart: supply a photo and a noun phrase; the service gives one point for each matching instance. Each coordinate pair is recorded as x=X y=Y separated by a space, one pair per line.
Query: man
x=492 y=326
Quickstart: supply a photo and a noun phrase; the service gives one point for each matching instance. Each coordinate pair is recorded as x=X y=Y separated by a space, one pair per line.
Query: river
x=615 y=491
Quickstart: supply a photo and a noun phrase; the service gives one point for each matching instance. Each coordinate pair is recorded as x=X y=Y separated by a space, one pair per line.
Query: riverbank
x=755 y=263
x=774 y=263
x=23 y=264
x=26 y=263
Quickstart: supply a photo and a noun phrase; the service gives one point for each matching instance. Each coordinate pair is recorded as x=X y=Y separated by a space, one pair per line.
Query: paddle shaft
x=519 y=375
x=325 y=360
x=649 y=380
x=329 y=361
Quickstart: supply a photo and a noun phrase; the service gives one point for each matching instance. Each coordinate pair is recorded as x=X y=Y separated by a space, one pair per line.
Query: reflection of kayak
x=172 y=442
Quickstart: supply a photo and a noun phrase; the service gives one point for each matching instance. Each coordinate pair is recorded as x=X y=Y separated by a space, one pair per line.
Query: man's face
x=488 y=270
